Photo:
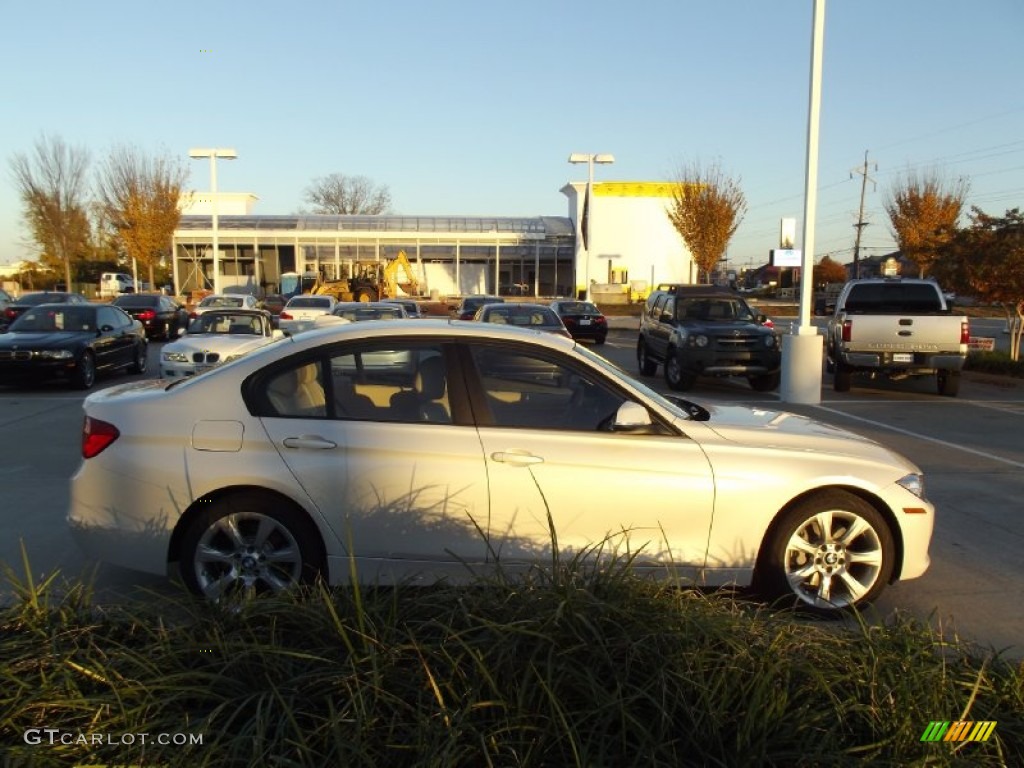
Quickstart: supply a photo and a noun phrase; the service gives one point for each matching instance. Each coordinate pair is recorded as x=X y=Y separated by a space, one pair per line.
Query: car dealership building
x=633 y=246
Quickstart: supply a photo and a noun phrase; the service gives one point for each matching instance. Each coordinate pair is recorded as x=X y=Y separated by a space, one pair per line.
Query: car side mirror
x=666 y=317
x=760 y=319
x=633 y=418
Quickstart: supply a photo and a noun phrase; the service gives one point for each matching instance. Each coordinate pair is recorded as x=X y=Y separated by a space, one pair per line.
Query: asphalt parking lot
x=971 y=449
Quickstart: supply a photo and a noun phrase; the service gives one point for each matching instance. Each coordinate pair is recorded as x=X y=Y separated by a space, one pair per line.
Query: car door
x=661 y=323
x=552 y=461
x=114 y=342
x=409 y=495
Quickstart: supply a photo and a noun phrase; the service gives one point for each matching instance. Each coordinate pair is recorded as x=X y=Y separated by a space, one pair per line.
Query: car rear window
x=884 y=298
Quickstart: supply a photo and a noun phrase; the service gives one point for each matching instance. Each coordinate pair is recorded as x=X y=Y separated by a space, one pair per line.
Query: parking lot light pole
x=213 y=154
x=589 y=159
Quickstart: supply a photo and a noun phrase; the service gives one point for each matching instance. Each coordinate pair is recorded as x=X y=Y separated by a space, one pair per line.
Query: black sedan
x=72 y=342
x=26 y=300
x=583 y=319
x=161 y=316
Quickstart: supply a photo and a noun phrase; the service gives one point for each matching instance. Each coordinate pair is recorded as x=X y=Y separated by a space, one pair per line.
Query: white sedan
x=419 y=451
x=301 y=312
x=224 y=301
x=215 y=337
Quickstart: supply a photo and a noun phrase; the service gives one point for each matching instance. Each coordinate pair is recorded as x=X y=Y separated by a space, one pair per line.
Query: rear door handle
x=516 y=458
x=310 y=441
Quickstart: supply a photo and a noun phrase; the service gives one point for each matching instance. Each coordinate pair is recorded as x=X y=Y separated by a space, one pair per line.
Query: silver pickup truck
x=896 y=327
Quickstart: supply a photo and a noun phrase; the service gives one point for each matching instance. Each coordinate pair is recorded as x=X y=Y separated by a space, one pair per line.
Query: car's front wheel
x=85 y=374
x=248 y=544
x=676 y=376
x=828 y=553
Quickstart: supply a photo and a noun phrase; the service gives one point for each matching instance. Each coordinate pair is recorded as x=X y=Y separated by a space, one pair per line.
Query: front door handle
x=516 y=458
x=310 y=441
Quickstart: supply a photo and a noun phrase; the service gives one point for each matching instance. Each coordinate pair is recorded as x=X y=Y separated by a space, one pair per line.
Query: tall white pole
x=801 y=352
x=588 y=203
x=213 y=209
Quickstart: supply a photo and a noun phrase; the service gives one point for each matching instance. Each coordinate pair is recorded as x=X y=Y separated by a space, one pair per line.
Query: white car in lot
x=397 y=450
x=301 y=312
x=216 y=337
x=224 y=301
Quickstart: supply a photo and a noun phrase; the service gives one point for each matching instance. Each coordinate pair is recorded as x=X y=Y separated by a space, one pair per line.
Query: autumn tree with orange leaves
x=707 y=207
x=142 y=199
x=923 y=213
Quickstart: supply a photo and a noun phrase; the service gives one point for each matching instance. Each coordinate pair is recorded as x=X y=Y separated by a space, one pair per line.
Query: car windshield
x=578 y=308
x=708 y=308
x=136 y=301
x=313 y=302
x=220 y=322
x=55 y=319
x=523 y=316
x=221 y=301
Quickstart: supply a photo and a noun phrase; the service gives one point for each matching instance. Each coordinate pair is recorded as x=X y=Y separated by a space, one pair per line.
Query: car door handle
x=516 y=458
x=310 y=441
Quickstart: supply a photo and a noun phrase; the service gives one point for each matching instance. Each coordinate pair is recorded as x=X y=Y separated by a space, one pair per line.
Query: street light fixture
x=589 y=159
x=213 y=154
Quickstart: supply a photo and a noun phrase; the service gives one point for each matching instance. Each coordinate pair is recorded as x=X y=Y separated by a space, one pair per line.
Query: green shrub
x=995 y=362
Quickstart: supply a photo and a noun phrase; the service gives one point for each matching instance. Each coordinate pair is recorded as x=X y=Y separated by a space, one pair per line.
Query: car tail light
x=569 y=321
x=965 y=332
x=601 y=320
x=10 y=314
x=97 y=436
x=285 y=316
x=847 y=330
x=146 y=314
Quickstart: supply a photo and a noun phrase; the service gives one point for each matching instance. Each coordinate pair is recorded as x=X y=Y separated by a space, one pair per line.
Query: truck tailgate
x=895 y=333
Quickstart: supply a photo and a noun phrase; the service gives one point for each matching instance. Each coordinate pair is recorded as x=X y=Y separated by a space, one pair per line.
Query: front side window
x=526 y=389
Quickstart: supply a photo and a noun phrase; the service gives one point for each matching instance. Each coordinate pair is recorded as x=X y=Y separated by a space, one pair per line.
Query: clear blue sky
x=473 y=108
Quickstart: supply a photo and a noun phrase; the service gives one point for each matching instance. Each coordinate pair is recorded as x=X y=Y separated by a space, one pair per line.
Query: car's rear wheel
x=85 y=374
x=948 y=383
x=676 y=376
x=140 y=359
x=841 y=378
x=828 y=553
x=648 y=367
x=249 y=544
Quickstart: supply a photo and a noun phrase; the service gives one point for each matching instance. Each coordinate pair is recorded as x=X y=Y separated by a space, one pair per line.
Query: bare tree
x=142 y=199
x=52 y=185
x=707 y=207
x=923 y=213
x=341 y=194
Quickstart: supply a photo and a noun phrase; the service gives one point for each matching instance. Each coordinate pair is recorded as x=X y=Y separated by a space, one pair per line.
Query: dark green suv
x=706 y=331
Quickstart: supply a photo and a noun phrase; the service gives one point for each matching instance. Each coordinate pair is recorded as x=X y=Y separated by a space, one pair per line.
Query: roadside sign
x=981 y=344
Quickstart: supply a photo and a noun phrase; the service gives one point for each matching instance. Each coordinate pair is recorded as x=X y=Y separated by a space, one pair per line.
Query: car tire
x=85 y=374
x=677 y=377
x=247 y=544
x=766 y=383
x=948 y=383
x=599 y=340
x=648 y=367
x=140 y=358
x=821 y=571
x=841 y=378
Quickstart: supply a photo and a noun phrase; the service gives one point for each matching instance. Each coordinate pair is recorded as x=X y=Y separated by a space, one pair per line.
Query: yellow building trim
x=634 y=189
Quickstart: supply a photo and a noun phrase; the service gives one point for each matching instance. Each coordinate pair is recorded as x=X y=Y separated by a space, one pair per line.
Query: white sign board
x=786 y=257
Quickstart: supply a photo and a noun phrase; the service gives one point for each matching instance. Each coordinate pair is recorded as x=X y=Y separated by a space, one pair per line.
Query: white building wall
x=630 y=230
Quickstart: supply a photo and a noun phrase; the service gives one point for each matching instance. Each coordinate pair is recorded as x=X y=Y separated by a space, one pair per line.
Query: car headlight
x=700 y=340
x=174 y=357
x=770 y=340
x=56 y=354
x=913 y=483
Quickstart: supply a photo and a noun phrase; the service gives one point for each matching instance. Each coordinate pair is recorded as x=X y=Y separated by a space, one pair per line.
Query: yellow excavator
x=371 y=283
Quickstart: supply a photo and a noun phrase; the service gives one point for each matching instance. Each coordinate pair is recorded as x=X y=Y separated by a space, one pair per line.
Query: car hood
x=44 y=340
x=222 y=343
x=785 y=431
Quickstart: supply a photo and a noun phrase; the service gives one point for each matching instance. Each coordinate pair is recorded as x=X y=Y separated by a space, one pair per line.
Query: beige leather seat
x=298 y=392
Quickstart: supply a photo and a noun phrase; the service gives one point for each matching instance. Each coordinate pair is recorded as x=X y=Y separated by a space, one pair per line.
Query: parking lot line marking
x=927 y=438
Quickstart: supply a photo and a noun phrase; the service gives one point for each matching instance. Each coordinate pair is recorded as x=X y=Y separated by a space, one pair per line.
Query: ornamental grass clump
x=572 y=665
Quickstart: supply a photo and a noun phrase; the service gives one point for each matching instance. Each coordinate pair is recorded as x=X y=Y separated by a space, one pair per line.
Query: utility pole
x=859 y=226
